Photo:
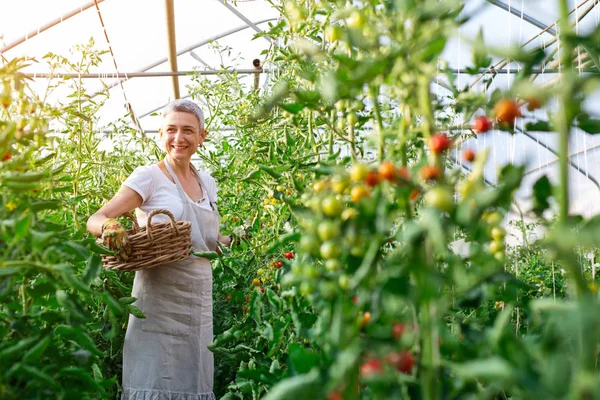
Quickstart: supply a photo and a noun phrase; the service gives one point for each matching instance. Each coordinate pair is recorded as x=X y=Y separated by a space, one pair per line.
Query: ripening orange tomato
x=468 y=155
x=506 y=111
x=387 y=171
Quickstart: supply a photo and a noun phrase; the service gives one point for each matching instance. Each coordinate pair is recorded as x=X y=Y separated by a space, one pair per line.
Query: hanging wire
x=136 y=122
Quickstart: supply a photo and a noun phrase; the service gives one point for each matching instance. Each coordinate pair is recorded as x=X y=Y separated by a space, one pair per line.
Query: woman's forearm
x=94 y=223
x=226 y=240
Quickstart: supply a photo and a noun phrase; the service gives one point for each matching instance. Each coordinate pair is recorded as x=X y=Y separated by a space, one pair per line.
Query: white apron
x=165 y=355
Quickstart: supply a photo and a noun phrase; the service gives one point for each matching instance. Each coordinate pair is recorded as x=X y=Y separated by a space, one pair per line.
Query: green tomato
x=330 y=249
x=327 y=289
x=440 y=198
x=333 y=264
x=500 y=256
x=343 y=282
x=332 y=206
x=494 y=218
x=306 y=288
x=356 y=20
x=496 y=246
x=309 y=244
x=328 y=230
x=310 y=271
x=351 y=118
x=357 y=250
x=498 y=233
x=358 y=172
x=333 y=33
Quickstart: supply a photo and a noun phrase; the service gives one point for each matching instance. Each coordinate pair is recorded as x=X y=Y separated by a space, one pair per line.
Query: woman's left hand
x=114 y=236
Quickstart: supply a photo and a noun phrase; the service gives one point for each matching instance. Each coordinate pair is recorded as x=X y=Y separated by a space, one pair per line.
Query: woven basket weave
x=153 y=245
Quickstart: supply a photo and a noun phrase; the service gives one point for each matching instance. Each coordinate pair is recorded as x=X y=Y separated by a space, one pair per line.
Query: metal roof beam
x=49 y=25
x=126 y=75
x=521 y=14
x=243 y=18
x=172 y=44
x=196 y=45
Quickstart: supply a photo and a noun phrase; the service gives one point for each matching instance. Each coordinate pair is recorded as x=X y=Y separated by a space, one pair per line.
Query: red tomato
x=371 y=368
x=262 y=289
x=482 y=124
x=398 y=329
x=372 y=178
x=439 y=142
x=289 y=255
x=404 y=174
x=335 y=395
x=7 y=156
x=401 y=361
x=228 y=297
x=279 y=264
x=414 y=194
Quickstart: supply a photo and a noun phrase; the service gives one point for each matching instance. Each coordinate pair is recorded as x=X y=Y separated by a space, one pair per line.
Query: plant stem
x=351 y=140
x=331 y=133
x=373 y=93
x=428 y=329
x=565 y=116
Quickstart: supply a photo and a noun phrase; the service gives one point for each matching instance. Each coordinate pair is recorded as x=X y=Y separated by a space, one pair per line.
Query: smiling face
x=181 y=135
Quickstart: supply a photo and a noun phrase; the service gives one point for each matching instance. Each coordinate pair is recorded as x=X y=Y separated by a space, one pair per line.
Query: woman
x=165 y=354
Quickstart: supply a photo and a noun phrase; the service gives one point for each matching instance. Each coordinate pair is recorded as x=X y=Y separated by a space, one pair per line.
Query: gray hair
x=188 y=106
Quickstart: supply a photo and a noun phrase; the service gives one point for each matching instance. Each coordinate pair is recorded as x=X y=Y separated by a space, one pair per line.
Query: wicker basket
x=153 y=245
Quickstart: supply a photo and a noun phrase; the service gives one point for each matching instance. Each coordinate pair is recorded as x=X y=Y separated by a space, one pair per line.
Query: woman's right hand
x=114 y=236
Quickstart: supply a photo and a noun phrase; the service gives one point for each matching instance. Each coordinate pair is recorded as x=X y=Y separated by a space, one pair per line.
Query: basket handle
x=152 y=214
x=135 y=227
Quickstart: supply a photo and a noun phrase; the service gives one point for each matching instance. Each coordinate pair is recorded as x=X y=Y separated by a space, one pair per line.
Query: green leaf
x=492 y=369
x=587 y=124
x=292 y=108
x=302 y=359
x=210 y=255
x=18 y=347
x=252 y=175
x=542 y=191
x=92 y=268
x=271 y=171
x=36 y=351
x=45 y=205
x=136 y=312
x=44 y=379
x=112 y=304
x=538 y=126
x=305 y=386
x=127 y=300
x=282 y=241
x=22 y=227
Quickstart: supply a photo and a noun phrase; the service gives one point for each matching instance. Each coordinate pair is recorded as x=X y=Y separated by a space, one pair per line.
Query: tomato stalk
x=373 y=93
x=331 y=133
x=425 y=105
x=564 y=122
x=430 y=356
x=351 y=140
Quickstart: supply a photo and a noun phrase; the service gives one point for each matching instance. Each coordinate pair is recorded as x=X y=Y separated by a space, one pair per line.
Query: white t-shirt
x=157 y=191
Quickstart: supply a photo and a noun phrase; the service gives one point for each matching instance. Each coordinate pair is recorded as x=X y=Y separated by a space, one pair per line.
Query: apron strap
x=182 y=192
